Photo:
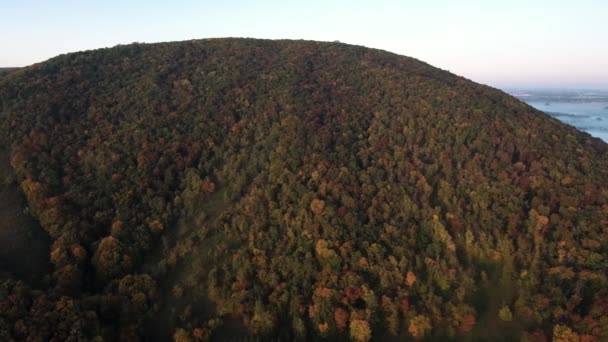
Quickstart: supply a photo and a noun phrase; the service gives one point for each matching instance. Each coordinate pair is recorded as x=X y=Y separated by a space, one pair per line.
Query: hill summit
x=223 y=188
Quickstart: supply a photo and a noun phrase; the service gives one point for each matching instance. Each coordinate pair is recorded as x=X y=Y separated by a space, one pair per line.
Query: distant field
x=6 y=70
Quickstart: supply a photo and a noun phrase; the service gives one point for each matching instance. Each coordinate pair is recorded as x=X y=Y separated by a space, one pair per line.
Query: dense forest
x=295 y=190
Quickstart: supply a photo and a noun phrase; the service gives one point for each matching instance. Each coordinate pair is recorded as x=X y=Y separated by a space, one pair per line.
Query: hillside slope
x=219 y=188
x=6 y=70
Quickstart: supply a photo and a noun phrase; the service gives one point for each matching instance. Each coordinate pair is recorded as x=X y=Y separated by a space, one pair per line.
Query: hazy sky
x=502 y=43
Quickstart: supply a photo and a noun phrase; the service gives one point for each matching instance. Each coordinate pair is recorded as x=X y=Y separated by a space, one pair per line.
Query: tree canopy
x=219 y=188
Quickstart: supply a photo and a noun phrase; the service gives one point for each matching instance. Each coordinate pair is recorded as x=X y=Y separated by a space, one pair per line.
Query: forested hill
x=215 y=189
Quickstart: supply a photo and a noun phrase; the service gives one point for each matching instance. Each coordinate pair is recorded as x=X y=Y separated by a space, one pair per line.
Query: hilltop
x=221 y=188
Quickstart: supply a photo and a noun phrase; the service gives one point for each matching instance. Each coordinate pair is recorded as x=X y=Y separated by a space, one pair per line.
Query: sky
x=506 y=44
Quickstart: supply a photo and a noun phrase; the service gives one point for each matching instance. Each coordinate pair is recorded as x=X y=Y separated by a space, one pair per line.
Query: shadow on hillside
x=24 y=245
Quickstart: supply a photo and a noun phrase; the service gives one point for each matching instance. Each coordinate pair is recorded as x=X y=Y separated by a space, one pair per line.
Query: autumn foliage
x=297 y=190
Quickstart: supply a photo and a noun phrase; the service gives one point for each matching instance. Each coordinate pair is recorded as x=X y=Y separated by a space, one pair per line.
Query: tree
x=360 y=330
x=317 y=206
x=138 y=292
x=181 y=335
x=419 y=326
x=410 y=278
x=467 y=324
x=341 y=317
x=505 y=314
x=109 y=259
x=263 y=321
x=563 y=333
